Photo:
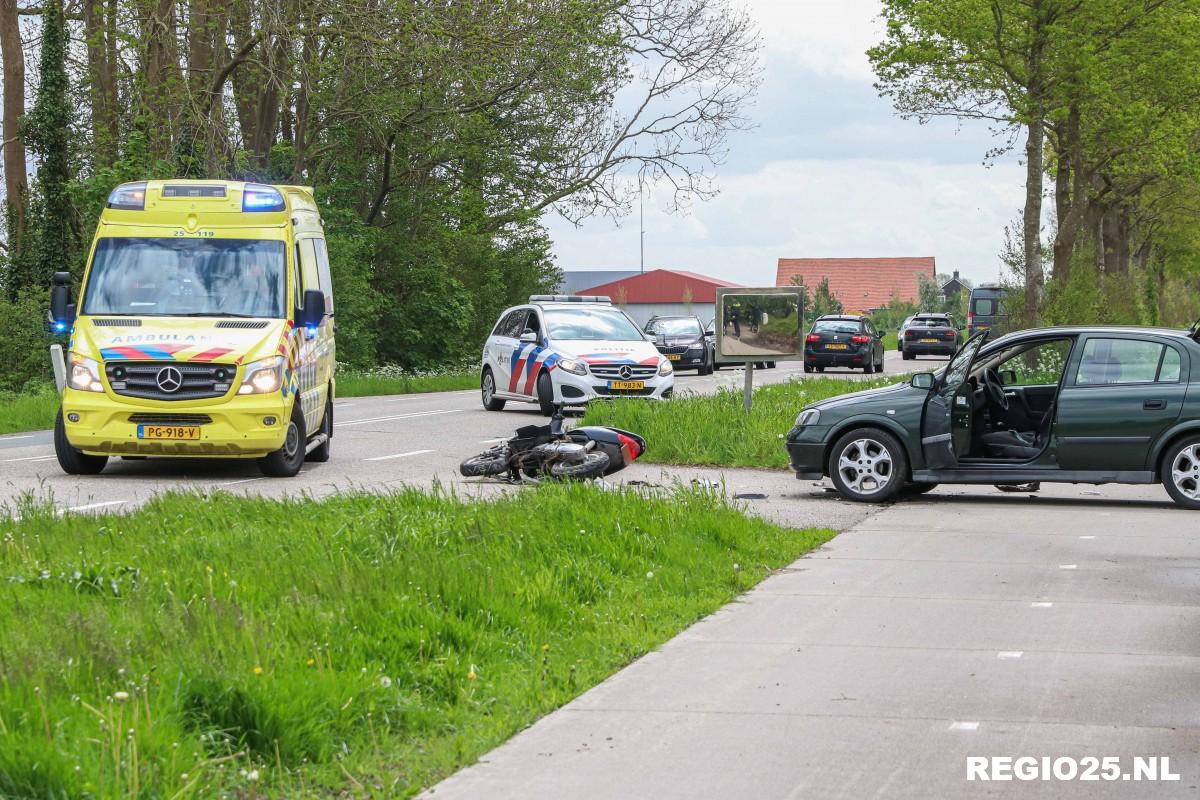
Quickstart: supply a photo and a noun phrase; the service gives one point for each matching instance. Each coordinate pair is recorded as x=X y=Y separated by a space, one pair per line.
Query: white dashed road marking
x=91 y=506
x=397 y=416
x=399 y=455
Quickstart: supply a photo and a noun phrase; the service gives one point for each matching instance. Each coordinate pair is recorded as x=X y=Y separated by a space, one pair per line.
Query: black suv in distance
x=684 y=342
x=843 y=340
x=929 y=335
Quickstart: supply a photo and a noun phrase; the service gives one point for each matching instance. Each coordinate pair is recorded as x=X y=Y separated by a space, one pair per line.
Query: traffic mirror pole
x=748 y=398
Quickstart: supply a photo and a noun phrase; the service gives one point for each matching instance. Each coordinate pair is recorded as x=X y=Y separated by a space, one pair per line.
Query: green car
x=1070 y=405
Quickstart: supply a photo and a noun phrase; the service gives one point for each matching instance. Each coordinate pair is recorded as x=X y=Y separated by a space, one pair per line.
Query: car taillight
x=812 y=337
x=860 y=339
x=949 y=334
x=970 y=317
x=630 y=446
x=910 y=334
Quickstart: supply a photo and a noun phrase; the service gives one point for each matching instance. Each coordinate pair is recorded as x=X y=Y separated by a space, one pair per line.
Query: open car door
x=946 y=426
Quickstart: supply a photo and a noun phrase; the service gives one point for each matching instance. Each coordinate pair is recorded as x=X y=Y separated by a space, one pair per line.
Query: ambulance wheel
x=320 y=453
x=287 y=460
x=545 y=390
x=71 y=460
x=487 y=385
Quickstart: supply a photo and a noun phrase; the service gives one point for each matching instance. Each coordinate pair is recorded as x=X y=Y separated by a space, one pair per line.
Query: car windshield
x=675 y=327
x=155 y=277
x=590 y=324
x=837 y=326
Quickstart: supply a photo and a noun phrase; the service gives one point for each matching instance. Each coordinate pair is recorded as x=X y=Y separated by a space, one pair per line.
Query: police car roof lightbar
x=568 y=298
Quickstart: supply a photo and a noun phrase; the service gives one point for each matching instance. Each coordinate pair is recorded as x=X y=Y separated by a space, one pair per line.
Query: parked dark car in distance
x=1070 y=405
x=931 y=334
x=843 y=340
x=986 y=310
x=684 y=341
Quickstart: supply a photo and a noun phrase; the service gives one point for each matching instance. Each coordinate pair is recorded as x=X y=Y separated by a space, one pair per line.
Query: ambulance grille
x=117 y=323
x=244 y=324
x=198 y=381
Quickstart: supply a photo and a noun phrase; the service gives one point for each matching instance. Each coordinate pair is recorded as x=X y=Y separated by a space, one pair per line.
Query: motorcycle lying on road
x=539 y=451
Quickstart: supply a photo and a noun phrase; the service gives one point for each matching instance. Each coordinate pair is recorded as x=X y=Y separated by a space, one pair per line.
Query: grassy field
x=245 y=647
x=393 y=380
x=30 y=410
x=713 y=429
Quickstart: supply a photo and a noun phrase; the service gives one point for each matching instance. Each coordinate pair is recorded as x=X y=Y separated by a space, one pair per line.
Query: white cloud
x=816 y=208
x=826 y=37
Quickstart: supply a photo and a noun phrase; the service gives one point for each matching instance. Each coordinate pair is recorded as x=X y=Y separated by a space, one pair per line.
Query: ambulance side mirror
x=62 y=312
x=313 y=312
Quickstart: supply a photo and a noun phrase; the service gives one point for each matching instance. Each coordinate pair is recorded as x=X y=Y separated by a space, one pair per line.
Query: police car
x=564 y=349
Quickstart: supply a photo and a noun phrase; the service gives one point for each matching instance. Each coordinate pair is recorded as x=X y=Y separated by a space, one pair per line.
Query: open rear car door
x=946 y=426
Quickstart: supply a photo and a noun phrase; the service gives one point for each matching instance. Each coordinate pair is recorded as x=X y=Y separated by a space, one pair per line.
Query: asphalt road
x=379 y=444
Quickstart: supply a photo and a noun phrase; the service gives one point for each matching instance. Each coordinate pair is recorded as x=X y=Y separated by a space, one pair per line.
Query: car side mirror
x=1008 y=376
x=62 y=311
x=313 y=312
x=709 y=334
x=529 y=337
x=922 y=380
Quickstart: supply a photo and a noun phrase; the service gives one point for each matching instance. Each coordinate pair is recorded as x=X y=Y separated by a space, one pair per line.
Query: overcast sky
x=829 y=171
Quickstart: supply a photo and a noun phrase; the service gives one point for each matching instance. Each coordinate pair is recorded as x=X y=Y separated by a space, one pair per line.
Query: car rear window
x=932 y=322
x=837 y=326
x=983 y=306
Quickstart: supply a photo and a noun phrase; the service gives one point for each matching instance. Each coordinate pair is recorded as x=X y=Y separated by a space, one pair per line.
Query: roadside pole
x=748 y=399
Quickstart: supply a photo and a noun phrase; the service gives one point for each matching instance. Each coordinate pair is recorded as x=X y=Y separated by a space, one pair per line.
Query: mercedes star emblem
x=169 y=379
x=626 y=373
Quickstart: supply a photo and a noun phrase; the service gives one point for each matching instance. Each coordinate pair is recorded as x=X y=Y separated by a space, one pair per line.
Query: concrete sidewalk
x=966 y=623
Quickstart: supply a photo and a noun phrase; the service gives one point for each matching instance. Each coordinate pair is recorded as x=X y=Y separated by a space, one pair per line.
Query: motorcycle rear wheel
x=593 y=466
x=492 y=462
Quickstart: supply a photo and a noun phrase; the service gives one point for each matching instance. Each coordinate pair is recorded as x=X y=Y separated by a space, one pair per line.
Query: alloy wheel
x=489 y=387
x=865 y=466
x=1185 y=472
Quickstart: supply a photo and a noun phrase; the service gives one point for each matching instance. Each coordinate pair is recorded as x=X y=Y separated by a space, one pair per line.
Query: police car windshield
x=154 y=277
x=590 y=324
x=676 y=327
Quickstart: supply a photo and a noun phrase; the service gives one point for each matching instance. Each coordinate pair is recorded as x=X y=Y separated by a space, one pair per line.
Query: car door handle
x=1154 y=405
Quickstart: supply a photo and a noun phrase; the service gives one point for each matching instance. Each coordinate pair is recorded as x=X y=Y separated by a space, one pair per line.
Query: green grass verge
x=714 y=430
x=393 y=380
x=245 y=647
x=890 y=341
x=31 y=410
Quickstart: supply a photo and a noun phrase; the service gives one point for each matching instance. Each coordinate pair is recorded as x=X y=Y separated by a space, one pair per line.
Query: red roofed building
x=663 y=292
x=860 y=284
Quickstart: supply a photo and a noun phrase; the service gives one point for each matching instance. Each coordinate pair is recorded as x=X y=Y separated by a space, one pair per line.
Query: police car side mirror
x=530 y=337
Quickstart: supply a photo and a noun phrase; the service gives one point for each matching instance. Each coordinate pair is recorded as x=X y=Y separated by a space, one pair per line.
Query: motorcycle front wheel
x=492 y=462
x=593 y=466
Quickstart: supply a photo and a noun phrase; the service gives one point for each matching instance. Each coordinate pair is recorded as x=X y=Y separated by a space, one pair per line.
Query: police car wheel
x=71 y=460
x=487 y=388
x=287 y=461
x=545 y=394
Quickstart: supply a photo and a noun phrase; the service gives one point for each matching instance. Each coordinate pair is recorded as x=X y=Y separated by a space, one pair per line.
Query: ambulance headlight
x=573 y=366
x=263 y=377
x=85 y=374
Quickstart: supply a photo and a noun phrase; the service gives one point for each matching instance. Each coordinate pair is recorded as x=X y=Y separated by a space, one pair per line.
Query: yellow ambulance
x=203 y=328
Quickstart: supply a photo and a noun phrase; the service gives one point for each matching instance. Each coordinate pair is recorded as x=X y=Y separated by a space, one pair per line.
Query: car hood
x=888 y=395
x=609 y=352
x=229 y=340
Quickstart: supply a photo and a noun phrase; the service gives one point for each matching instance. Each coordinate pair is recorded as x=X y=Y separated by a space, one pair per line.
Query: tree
x=15 y=179
x=48 y=130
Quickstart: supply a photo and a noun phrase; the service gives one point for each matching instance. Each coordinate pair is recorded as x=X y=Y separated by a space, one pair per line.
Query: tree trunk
x=15 y=178
x=1035 y=279
x=1070 y=194
x=101 y=76
x=161 y=76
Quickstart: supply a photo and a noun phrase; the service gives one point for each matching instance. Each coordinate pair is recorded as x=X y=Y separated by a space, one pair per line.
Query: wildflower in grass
x=471 y=675
x=120 y=697
x=649 y=575
x=258 y=670
x=545 y=647
x=385 y=681
x=310 y=662
x=252 y=776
